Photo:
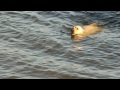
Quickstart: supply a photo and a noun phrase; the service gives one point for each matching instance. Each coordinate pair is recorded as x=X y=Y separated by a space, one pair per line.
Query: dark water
x=37 y=45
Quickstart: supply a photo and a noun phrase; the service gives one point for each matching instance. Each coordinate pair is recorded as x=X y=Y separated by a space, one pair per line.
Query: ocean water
x=38 y=45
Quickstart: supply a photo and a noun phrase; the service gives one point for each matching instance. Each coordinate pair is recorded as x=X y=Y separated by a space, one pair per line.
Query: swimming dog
x=78 y=32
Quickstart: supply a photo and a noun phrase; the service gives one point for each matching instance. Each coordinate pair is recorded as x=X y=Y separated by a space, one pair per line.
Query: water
x=38 y=45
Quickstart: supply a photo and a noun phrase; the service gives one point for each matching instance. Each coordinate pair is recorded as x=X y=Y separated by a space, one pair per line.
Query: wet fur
x=88 y=29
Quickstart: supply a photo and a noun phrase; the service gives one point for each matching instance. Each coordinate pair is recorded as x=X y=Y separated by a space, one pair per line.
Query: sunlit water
x=38 y=45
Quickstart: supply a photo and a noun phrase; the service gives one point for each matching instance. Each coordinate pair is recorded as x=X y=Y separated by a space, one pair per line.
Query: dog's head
x=77 y=30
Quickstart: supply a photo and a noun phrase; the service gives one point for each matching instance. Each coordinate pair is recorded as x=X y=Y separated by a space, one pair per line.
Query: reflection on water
x=76 y=46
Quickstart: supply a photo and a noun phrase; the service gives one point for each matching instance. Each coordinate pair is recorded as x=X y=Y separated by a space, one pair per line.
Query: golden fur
x=79 y=32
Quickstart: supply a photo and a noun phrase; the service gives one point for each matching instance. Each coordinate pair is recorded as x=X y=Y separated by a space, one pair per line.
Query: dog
x=79 y=32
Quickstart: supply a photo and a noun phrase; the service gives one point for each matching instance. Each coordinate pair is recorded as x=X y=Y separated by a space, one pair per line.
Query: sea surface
x=38 y=45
